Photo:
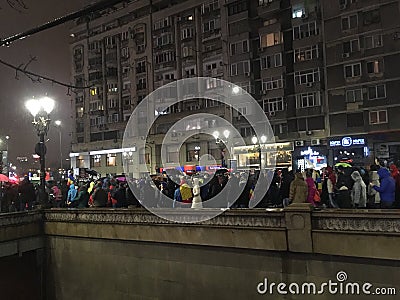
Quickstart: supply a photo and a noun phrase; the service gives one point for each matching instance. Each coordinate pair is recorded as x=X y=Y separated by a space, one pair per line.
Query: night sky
x=51 y=49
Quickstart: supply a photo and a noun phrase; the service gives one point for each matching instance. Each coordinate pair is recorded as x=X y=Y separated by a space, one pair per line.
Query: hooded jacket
x=298 y=189
x=387 y=187
x=71 y=193
x=359 y=191
x=396 y=176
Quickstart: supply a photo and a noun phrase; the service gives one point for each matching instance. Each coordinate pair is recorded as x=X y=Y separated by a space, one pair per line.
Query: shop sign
x=309 y=152
x=347 y=142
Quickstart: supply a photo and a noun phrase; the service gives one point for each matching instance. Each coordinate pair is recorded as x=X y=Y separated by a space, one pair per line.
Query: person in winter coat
x=27 y=194
x=394 y=171
x=81 y=201
x=186 y=192
x=387 y=188
x=374 y=197
x=312 y=189
x=57 y=196
x=359 y=191
x=287 y=178
x=330 y=187
x=72 y=192
x=99 y=196
x=298 y=192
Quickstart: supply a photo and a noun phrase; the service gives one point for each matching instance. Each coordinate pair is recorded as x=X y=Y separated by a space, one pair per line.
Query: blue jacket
x=72 y=193
x=388 y=186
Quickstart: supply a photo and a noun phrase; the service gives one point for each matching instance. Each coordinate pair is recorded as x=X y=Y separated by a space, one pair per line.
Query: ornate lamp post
x=40 y=109
x=221 y=143
x=254 y=140
x=58 y=125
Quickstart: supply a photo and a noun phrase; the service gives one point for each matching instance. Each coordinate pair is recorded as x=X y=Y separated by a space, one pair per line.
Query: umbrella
x=3 y=178
x=343 y=165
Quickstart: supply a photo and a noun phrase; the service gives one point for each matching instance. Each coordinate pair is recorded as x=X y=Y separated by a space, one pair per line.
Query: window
x=273 y=104
x=351 y=46
x=264 y=2
x=270 y=22
x=355 y=95
x=192 y=152
x=349 y=22
x=211 y=25
x=271 y=39
x=141 y=85
x=377 y=92
x=187 y=51
x=371 y=17
x=209 y=7
x=164 y=57
x=305 y=30
x=247 y=131
x=375 y=67
x=79 y=112
x=271 y=61
x=187 y=33
x=162 y=23
x=240 y=68
x=163 y=39
x=237 y=7
x=239 y=47
x=306 y=53
x=111 y=160
x=190 y=71
x=112 y=103
x=172 y=154
x=373 y=41
x=125 y=52
x=308 y=100
x=272 y=83
x=355 y=120
x=353 y=70
x=307 y=77
x=112 y=87
x=141 y=66
x=378 y=117
x=94 y=91
x=124 y=35
x=298 y=11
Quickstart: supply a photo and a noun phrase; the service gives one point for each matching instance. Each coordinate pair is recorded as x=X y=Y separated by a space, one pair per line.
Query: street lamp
x=221 y=143
x=254 y=140
x=58 y=125
x=197 y=150
x=40 y=109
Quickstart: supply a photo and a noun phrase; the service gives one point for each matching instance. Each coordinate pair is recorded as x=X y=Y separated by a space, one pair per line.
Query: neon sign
x=347 y=142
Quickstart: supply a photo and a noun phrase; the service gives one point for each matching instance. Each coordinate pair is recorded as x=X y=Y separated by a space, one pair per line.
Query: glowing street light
x=40 y=109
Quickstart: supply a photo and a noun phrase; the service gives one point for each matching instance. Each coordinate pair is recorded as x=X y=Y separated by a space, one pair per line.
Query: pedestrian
x=57 y=196
x=373 y=195
x=312 y=189
x=394 y=171
x=298 y=191
x=72 y=193
x=359 y=191
x=387 y=188
x=99 y=196
x=27 y=194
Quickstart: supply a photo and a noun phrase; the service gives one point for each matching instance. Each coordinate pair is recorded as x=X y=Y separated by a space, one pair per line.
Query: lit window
x=111 y=160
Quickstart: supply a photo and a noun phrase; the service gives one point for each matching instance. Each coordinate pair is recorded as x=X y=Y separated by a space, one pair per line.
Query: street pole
x=61 y=158
x=42 y=196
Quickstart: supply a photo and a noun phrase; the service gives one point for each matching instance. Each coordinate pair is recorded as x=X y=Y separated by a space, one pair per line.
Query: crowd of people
x=340 y=187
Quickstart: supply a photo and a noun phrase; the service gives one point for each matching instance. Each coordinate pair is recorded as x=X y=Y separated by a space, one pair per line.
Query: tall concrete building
x=324 y=72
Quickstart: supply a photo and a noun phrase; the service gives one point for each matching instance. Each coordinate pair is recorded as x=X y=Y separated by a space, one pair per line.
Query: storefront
x=311 y=157
x=349 y=149
x=277 y=155
x=386 y=147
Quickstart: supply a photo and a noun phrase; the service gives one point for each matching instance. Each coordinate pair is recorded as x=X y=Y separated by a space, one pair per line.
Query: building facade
x=322 y=71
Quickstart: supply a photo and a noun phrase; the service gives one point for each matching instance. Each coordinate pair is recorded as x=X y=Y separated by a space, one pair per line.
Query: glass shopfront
x=313 y=157
x=349 y=149
x=279 y=155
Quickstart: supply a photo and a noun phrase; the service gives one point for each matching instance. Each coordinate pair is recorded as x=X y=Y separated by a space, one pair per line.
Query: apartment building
x=362 y=55
x=317 y=84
